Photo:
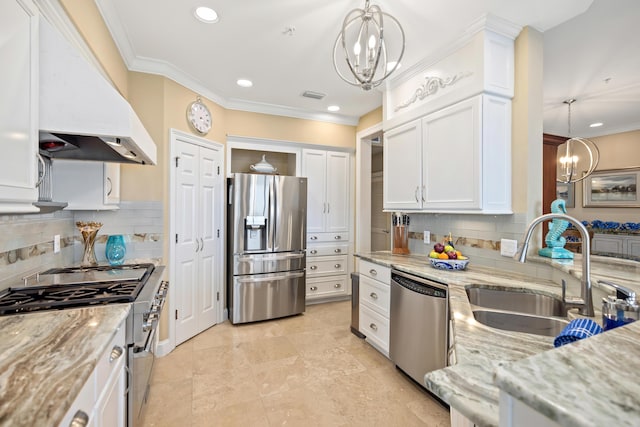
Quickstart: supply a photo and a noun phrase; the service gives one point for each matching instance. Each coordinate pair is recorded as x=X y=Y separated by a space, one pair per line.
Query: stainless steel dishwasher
x=418 y=318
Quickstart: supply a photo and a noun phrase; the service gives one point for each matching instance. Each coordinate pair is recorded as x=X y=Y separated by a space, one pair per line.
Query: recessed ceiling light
x=206 y=14
x=333 y=108
x=596 y=125
x=244 y=83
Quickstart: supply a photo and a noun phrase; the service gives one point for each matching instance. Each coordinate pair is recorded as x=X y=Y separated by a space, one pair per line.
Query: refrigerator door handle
x=275 y=257
x=269 y=278
x=272 y=221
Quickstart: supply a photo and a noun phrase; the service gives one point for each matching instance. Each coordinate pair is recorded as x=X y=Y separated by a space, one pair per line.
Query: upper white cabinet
x=18 y=106
x=457 y=159
x=327 y=175
x=86 y=185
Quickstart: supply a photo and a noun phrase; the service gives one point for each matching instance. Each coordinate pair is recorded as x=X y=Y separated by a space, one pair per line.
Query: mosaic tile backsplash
x=27 y=240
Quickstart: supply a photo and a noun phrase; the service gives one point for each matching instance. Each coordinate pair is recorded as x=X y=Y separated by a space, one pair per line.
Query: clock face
x=199 y=117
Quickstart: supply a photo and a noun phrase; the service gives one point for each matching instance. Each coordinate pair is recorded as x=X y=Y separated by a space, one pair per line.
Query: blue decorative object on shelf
x=115 y=249
x=554 y=240
x=576 y=330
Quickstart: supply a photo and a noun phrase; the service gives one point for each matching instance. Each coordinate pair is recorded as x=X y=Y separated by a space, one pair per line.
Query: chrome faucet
x=585 y=303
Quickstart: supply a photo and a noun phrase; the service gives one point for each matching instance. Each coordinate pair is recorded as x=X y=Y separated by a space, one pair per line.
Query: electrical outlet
x=508 y=247
x=427 y=236
x=56 y=243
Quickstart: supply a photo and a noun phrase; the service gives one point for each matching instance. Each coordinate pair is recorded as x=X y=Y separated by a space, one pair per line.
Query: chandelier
x=577 y=157
x=364 y=40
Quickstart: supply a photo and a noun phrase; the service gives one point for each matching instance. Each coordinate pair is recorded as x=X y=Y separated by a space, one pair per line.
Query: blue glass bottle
x=115 y=249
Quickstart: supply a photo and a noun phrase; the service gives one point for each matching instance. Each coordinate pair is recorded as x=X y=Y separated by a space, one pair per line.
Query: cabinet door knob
x=337 y=237
x=373 y=272
x=337 y=250
x=336 y=266
x=313 y=252
x=313 y=288
x=415 y=193
x=337 y=286
x=109 y=186
x=80 y=419
x=313 y=238
x=313 y=267
x=116 y=352
x=373 y=295
x=373 y=326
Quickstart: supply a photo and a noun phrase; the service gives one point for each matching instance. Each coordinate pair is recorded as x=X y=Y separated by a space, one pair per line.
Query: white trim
x=220 y=283
x=279 y=110
x=237 y=139
x=164 y=347
x=363 y=188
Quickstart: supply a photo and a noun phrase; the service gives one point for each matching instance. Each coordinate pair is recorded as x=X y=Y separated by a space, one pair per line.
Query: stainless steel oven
x=140 y=285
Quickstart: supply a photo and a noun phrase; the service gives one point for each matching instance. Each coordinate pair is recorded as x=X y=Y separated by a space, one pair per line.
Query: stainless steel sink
x=518 y=301
x=519 y=322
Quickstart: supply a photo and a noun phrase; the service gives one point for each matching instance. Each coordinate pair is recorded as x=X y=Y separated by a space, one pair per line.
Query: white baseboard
x=163 y=348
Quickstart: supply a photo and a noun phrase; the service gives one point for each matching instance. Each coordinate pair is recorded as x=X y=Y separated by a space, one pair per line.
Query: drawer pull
x=337 y=286
x=373 y=326
x=336 y=266
x=337 y=250
x=116 y=352
x=313 y=267
x=313 y=288
x=337 y=237
x=373 y=295
x=373 y=272
x=313 y=238
x=80 y=419
x=313 y=252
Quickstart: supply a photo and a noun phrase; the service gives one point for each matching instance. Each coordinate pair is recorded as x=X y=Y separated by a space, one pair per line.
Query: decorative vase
x=89 y=231
x=115 y=249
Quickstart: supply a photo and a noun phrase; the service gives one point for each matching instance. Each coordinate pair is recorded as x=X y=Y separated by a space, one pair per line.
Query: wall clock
x=199 y=116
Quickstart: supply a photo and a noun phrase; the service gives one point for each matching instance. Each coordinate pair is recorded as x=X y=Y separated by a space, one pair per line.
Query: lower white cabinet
x=375 y=302
x=102 y=400
x=86 y=185
x=327 y=266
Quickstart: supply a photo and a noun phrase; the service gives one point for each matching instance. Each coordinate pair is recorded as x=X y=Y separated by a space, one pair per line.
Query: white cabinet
x=198 y=221
x=327 y=266
x=18 y=106
x=327 y=175
x=86 y=185
x=616 y=244
x=102 y=400
x=457 y=159
x=375 y=302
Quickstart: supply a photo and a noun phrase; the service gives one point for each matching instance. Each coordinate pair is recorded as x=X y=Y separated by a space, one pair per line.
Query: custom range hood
x=82 y=116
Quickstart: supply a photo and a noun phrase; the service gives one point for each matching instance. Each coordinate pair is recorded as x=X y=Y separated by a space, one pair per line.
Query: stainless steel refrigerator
x=267 y=233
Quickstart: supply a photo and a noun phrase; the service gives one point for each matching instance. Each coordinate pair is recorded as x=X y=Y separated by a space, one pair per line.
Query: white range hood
x=82 y=116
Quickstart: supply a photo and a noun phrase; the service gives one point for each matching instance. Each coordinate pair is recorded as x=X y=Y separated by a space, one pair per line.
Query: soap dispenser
x=619 y=311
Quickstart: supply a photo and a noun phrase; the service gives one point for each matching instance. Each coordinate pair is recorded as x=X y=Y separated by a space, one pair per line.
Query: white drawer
x=322 y=266
x=375 y=327
x=107 y=363
x=326 y=287
x=375 y=271
x=327 y=237
x=327 y=249
x=375 y=295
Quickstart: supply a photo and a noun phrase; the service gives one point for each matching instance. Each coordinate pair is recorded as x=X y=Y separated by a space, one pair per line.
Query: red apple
x=438 y=247
x=452 y=255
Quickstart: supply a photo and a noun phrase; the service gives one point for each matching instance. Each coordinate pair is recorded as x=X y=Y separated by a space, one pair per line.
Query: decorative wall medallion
x=430 y=86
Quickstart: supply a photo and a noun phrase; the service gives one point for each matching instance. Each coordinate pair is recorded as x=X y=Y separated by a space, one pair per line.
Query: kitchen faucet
x=585 y=303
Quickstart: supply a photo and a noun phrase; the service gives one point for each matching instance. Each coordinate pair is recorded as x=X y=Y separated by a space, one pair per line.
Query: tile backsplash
x=26 y=245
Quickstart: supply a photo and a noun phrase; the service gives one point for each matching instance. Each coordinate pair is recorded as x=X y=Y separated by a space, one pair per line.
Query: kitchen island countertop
x=528 y=366
x=46 y=358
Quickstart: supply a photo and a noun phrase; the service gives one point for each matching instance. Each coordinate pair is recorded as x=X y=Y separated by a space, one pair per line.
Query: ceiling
x=285 y=48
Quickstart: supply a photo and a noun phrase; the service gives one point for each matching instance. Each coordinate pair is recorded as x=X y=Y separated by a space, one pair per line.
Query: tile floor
x=306 y=370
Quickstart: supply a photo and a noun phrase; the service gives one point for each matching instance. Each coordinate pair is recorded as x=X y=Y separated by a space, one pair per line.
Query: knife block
x=400 y=240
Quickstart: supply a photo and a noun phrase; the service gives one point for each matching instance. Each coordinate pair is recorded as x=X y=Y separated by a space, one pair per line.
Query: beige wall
x=89 y=23
x=617 y=151
x=372 y=118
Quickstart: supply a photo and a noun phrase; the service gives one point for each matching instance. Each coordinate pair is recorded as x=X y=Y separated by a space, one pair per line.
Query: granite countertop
x=469 y=385
x=46 y=357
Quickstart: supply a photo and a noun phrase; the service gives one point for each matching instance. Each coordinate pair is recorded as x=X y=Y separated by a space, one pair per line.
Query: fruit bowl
x=449 y=264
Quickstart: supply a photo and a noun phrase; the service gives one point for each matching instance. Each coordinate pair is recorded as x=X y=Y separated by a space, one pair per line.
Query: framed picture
x=565 y=191
x=615 y=188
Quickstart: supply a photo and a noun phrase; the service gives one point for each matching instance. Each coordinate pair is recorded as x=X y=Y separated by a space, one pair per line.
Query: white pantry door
x=198 y=259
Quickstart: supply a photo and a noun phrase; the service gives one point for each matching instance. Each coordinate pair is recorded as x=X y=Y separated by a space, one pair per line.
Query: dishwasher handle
x=419 y=285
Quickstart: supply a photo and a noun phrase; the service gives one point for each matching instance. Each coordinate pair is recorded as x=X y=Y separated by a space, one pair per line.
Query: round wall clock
x=199 y=116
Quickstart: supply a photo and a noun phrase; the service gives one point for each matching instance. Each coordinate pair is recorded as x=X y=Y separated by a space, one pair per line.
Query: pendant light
x=366 y=52
x=577 y=157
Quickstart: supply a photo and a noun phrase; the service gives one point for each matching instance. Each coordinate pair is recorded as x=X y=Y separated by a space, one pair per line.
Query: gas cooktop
x=76 y=287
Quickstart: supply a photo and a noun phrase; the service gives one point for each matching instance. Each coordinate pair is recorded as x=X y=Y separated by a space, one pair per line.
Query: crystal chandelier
x=575 y=155
x=365 y=43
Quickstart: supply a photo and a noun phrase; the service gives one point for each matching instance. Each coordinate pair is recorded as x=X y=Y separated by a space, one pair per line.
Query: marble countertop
x=46 y=357
x=469 y=385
